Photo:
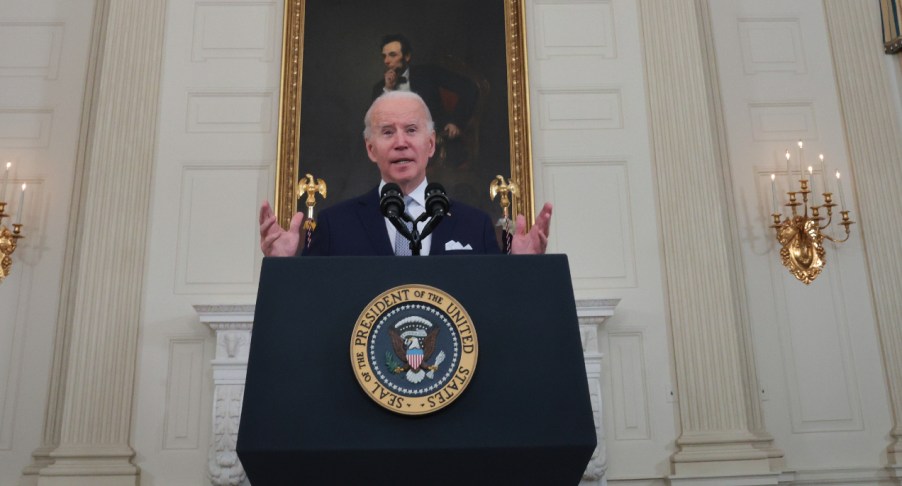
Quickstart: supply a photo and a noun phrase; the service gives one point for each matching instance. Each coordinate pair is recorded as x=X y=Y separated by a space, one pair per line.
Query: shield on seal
x=414 y=358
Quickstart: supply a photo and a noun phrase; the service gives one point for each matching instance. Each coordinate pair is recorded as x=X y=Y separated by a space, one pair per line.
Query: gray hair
x=397 y=94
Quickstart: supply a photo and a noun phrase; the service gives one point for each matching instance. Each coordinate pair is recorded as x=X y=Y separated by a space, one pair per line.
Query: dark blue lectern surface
x=524 y=419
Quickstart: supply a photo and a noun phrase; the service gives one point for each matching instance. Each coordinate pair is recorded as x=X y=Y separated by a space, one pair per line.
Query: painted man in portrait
x=450 y=97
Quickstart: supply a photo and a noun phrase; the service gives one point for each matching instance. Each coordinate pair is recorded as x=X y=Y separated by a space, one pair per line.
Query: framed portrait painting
x=468 y=55
x=890 y=12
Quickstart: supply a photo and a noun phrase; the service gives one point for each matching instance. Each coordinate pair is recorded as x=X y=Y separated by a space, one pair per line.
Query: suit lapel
x=374 y=223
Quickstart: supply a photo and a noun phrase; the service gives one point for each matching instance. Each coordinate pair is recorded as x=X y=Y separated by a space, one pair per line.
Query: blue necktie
x=402 y=245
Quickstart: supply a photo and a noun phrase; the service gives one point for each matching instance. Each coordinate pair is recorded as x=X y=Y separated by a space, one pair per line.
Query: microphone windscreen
x=433 y=187
x=436 y=200
x=391 y=204
x=390 y=187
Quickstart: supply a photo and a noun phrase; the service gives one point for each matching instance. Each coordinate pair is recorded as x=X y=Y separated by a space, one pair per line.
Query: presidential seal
x=414 y=349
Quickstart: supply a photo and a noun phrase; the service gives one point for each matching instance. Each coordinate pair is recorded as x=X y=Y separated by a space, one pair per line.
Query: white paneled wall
x=215 y=164
x=816 y=346
x=43 y=58
x=592 y=159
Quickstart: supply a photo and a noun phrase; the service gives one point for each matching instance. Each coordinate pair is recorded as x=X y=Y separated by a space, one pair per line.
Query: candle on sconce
x=5 y=182
x=21 y=205
x=801 y=160
x=811 y=183
x=824 y=173
x=773 y=192
x=788 y=173
x=842 y=199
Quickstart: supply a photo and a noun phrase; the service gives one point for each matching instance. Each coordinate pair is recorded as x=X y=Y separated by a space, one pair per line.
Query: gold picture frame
x=288 y=170
x=890 y=12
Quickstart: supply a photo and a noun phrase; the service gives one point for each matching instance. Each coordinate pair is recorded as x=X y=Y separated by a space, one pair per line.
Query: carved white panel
x=217 y=238
x=819 y=365
x=783 y=121
x=234 y=30
x=37 y=48
x=213 y=111
x=25 y=127
x=603 y=256
x=580 y=109
x=628 y=385
x=772 y=45
x=183 y=394
x=575 y=28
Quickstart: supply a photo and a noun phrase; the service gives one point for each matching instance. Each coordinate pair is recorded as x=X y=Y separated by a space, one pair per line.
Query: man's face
x=392 y=57
x=400 y=141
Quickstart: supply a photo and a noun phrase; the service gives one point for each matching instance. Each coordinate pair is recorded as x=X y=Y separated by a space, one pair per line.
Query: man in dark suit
x=426 y=81
x=400 y=138
x=451 y=97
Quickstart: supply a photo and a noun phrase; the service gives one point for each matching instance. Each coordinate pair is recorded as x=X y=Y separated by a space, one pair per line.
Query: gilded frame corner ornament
x=287 y=164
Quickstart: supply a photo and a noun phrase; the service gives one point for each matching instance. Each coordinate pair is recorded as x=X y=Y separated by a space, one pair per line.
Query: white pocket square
x=454 y=245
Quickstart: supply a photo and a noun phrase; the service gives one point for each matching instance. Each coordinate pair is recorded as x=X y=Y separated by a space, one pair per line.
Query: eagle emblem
x=414 y=349
x=413 y=341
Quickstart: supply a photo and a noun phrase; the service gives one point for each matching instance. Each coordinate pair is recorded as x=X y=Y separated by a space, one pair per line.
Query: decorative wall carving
x=592 y=314
x=232 y=326
x=223 y=467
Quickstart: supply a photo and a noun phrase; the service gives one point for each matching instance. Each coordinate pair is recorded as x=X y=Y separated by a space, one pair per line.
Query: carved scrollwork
x=224 y=468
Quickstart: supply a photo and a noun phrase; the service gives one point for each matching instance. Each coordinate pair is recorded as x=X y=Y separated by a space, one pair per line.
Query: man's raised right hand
x=391 y=79
x=275 y=241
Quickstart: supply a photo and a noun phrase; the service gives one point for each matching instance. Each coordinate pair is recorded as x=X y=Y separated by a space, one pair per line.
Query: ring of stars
x=433 y=384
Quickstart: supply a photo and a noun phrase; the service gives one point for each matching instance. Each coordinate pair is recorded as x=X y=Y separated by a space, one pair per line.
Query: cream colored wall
x=43 y=59
x=821 y=379
x=214 y=163
x=592 y=159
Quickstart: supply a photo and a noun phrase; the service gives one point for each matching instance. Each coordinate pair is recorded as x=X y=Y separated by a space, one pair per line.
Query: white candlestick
x=5 y=182
x=801 y=161
x=842 y=199
x=824 y=172
x=811 y=183
x=788 y=173
x=21 y=205
x=773 y=192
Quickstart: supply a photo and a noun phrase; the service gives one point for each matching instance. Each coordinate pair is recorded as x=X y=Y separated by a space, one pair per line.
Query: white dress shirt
x=399 y=86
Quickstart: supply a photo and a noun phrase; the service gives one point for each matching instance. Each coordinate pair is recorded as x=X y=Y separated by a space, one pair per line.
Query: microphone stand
x=412 y=234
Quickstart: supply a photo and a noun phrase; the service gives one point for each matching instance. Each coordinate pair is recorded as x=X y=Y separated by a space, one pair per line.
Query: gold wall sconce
x=801 y=232
x=9 y=238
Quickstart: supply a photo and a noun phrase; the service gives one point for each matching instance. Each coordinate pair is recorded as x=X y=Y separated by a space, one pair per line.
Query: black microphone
x=392 y=206
x=391 y=203
x=436 y=200
x=437 y=206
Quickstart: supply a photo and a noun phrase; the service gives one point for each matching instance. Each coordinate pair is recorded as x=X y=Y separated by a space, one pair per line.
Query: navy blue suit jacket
x=357 y=227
